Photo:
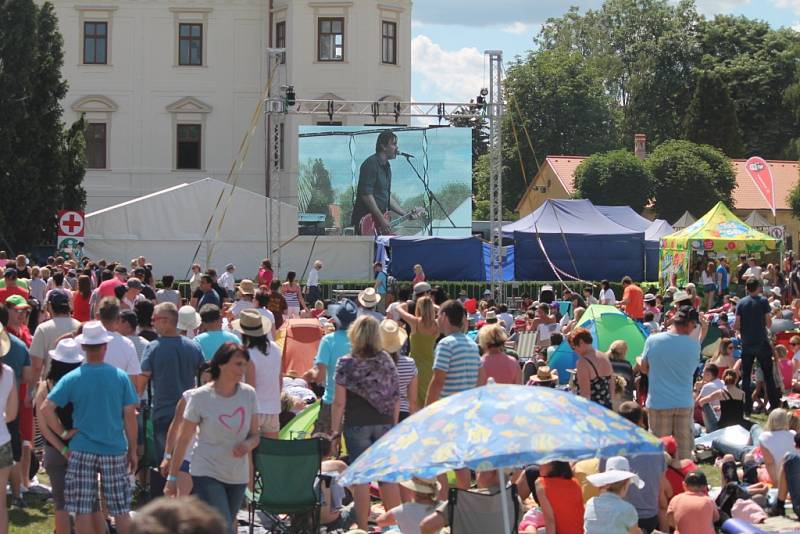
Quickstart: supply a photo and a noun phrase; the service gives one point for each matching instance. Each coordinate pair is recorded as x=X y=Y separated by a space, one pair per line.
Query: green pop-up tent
x=608 y=324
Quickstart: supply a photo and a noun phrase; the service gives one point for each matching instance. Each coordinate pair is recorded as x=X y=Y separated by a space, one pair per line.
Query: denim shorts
x=360 y=438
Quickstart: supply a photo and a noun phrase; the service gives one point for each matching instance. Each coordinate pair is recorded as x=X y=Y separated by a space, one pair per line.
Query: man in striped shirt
x=455 y=368
x=457 y=358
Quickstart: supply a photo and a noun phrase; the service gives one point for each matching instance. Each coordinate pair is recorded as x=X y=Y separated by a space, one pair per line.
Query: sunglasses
x=794 y=344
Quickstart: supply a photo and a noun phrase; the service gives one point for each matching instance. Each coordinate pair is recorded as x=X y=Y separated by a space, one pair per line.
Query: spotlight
x=291 y=97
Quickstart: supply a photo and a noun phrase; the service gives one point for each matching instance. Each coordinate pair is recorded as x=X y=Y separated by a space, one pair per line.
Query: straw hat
x=369 y=298
x=617 y=470
x=392 y=336
x=67 y=351
x=247 y=287
x=680 y=295
x=5 y=341
x=428 y=486
x=188 y=318
x=491 y=316
x=544 y=374
x=252 y=323
x=94 y=333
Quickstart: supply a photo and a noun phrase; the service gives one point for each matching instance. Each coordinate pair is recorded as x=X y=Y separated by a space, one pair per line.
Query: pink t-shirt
x=106 y=289
x=694 y=513
x=502 y=367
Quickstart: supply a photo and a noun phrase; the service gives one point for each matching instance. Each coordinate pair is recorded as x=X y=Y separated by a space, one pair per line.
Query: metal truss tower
x=496 y=171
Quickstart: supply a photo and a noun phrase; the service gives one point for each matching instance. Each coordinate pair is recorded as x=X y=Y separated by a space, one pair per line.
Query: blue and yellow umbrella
x=499 y=426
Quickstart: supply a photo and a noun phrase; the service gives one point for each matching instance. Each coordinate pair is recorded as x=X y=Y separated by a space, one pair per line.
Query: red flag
x=758 y=169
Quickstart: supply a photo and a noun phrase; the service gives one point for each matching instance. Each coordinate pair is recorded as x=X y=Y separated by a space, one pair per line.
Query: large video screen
x=367 y=180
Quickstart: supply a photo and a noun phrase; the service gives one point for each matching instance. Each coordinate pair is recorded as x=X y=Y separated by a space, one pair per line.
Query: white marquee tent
x=167 y=226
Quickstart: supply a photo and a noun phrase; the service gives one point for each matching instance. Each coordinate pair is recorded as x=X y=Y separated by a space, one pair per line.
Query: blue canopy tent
x=577 y=239
x=653 y=232
x=443 y=258
x=625 y=216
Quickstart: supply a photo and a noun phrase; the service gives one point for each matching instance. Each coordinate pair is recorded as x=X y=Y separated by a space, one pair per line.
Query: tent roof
x=720 y=225
x=756 y=219
x=658 y=229
x=684 y=220
x=608 y=324
x=594 y=311
x=568 y=217
x=626 y=216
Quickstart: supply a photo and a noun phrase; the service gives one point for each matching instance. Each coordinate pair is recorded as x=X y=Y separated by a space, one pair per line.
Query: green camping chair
x=284 y=476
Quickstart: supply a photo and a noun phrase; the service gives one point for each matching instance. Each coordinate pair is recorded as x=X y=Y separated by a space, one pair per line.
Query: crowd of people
x=92 y=351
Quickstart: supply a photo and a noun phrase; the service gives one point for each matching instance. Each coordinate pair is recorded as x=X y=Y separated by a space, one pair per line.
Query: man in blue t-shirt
x=381 y=285
x=213 y=335
x=172 y=362
x=332 y=347
x=752 y=321
x=669 y=359
x=104 y=423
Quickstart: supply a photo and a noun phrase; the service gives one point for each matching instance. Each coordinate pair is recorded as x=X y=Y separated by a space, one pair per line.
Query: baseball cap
x=17 y=301
x=120 y=269
x=57 y=297
x=10 y=273
x=134 y=283
x=686 y=314
x=421 y=287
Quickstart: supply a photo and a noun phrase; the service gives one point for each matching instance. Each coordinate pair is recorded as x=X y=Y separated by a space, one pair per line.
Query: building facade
x=170 y=89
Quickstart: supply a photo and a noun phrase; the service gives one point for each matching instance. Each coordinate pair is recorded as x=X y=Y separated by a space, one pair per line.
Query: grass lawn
x=36 y=518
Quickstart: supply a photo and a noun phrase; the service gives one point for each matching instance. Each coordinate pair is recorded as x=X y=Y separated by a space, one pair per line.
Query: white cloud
x=713 y=7
x=794 y=5
x=456 y=75
x=516 y=28
x=796 y=26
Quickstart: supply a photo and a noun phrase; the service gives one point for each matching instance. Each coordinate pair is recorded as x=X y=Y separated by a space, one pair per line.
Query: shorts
x=56 y=467
x=184 y=468
x=81 y=483
x=323 y=423
x=25 y=416
x=16 y=440
x=361 y=438
x=6 y=456
x=268 y=422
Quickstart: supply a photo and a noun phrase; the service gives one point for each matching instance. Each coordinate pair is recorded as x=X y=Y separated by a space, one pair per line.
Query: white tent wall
x=167 y=226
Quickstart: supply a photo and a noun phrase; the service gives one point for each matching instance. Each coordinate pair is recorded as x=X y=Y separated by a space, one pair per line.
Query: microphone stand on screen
x=431 y=197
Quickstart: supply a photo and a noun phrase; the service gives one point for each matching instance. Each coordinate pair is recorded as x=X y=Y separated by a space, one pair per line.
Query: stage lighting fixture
x=291 y=97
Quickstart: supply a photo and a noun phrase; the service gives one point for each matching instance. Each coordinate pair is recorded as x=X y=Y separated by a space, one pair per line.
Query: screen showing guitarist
x=373 y=195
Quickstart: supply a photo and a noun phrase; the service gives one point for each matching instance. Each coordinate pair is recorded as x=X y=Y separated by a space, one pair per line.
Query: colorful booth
x=717 y=233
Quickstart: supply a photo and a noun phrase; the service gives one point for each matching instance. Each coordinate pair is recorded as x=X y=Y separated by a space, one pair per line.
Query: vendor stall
x=716 y=234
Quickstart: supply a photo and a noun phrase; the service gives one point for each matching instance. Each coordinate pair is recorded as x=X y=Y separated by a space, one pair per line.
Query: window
x=95 y=43
x=389 y=43
x=189 y=143
x=280 y=38
x=331 y=39
x=96 y=145
x=190 y=45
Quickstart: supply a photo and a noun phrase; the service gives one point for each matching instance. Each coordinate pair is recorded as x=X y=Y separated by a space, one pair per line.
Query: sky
x=450 y=36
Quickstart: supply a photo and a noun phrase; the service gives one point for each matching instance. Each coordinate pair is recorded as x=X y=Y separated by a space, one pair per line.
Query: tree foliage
x=688 y=176
x=616 y=178
x=41 y=164
x=316 y=190
x=711 y=117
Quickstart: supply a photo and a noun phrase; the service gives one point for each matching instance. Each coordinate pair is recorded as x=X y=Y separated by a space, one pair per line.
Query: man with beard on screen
x=373 y=195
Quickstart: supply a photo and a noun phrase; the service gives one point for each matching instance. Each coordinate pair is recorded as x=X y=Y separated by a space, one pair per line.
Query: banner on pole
x=759 y=171
x=71 y=226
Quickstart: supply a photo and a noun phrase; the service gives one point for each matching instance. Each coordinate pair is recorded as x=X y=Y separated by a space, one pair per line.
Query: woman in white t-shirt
x=263 y=370
x=8 y=405
x=776 y=441
x=607 y=296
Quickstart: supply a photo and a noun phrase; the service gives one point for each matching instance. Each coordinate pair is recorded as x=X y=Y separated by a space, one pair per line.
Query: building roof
x=746 y=195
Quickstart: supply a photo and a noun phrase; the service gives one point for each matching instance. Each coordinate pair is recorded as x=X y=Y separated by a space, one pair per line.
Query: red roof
x=746 y=195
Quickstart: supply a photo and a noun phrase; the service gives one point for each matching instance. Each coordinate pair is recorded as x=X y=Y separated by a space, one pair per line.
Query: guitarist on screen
x=373 y=195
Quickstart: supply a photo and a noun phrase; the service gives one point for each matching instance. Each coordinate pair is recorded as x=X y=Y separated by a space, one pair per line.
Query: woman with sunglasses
x=724 y=359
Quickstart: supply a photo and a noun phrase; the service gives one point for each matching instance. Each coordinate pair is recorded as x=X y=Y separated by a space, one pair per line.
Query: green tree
x=614 y=178
x=794 y=200
x=692 y=177
x=644 y=50
x=557 y=102
x=758 y=64
x=345 y=201
x=711 y=117
x=41 y=167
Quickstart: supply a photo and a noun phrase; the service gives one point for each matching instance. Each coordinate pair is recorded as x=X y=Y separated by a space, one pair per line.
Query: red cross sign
x=70 y=223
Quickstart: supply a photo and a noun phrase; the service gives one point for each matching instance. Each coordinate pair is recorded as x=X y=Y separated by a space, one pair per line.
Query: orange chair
x=300 y=345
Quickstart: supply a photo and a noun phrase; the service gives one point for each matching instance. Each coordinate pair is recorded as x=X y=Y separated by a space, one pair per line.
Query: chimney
x=640 y=145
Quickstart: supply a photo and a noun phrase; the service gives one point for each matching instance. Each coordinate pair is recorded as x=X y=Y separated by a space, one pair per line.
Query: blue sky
x=449 y=36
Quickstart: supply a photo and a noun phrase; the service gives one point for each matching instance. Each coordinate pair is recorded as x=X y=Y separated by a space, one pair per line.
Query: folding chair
x=470 y=512
x=284 y=476
x=526 y=345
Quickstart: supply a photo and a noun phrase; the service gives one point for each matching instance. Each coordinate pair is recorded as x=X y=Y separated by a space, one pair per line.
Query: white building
x=170 y=88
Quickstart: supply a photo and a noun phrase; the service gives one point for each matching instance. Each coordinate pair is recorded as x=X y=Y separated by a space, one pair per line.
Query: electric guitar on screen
x=368 y=227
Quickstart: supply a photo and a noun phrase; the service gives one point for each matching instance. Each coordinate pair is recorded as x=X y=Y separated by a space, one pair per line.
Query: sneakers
x=779 y=509
x=18 y=502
